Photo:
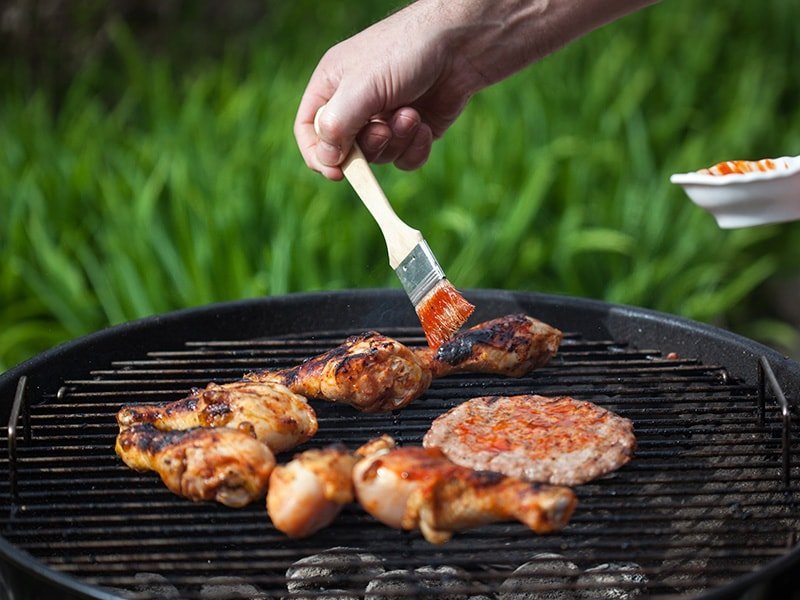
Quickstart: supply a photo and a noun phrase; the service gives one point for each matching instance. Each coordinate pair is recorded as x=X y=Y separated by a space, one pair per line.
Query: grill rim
x=305 y=314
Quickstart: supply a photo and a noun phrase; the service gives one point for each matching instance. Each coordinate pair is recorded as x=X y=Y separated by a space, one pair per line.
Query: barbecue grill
x=707 y=508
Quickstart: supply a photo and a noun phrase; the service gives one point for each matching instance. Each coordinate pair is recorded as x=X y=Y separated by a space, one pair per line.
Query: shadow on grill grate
x=702 y=502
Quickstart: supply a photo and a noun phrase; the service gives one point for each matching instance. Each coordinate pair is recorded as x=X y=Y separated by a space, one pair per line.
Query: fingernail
x=328 y=154
x=374 y=143
x=404 y=126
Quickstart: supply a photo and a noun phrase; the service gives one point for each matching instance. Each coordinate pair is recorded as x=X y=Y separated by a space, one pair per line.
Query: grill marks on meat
x=226 y=465
x=217 y=443
x=370 y=372
x=554 y=440
x=307 y=493
x=513 y=346
x=274 y=414
x=419 y=488
x=375 y=373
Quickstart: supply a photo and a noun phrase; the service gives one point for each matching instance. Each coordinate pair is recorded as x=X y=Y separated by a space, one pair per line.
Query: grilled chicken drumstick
x=307 y=493
x=375 y=373
x=416 y=487
x=370 y=372
x=222 y=464
x=513 y=345
x=277 y=416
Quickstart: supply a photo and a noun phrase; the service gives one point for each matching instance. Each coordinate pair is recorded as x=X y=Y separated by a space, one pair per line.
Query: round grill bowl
x=707 y=508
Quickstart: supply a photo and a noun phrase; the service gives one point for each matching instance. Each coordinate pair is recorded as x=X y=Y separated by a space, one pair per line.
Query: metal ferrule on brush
x=419 y=272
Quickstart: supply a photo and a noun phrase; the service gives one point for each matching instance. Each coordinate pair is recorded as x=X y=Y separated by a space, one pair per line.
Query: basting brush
x=441 y=309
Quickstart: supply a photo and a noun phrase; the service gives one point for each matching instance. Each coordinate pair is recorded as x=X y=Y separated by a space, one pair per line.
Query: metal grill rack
x=711 y=494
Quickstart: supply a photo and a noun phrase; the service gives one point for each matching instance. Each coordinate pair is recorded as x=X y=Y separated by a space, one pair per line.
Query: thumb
x=338 y=122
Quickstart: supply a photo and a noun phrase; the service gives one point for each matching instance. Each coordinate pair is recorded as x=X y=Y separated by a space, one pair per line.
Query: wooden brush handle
x=400 y=238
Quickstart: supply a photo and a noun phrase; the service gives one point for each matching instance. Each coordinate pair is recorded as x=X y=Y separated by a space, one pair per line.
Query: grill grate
x=710 y=495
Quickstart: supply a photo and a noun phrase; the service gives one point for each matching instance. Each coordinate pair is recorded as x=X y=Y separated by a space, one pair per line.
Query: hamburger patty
x=559 y=440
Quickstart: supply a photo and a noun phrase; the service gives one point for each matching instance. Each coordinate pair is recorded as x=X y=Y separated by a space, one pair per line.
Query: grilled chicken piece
x=370 y=372
x=512 y=345
x=275 y=415
x=415 y=487
x=222 y=464
x=307 y=493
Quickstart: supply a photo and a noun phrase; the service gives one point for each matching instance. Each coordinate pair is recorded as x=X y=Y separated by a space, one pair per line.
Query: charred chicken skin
x=374 y=373
x=370 y=372
x=419 y=488
x=275 y=415
x=307 y=493
x=513 y=345
x=222 y=464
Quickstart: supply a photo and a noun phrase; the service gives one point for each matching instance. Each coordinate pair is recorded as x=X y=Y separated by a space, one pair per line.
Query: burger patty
x=558 y=440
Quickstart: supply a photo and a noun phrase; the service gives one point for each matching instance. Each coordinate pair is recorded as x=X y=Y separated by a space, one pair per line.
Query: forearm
x=496 y=38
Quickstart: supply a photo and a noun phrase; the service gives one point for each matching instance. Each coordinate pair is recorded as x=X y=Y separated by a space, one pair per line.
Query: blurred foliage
x=156 y=168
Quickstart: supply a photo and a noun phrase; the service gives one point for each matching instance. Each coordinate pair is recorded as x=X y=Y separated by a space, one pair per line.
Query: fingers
x=343 y=113
x=306 y=136
x=399 y=136
x=403 y=139
x=418 y=150
x=410 y=141
x=374 y=139
x=347 y=112
x=404 y=123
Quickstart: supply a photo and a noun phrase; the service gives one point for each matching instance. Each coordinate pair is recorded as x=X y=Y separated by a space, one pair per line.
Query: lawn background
x=147 y=164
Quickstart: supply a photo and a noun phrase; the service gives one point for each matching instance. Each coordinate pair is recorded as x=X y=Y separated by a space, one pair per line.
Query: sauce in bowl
x=740 y=167
x=744 y=193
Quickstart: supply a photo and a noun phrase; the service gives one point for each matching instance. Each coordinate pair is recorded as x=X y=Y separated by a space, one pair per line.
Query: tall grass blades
x=155 y=183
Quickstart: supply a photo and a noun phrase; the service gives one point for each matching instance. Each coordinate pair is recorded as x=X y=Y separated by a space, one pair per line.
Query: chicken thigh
x=277 y=416
x=222 y=464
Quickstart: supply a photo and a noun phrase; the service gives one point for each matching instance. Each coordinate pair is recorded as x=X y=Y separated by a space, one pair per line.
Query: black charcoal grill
x=707 y=508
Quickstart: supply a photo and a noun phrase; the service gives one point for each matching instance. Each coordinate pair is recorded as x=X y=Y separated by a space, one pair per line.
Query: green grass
x=151 y=184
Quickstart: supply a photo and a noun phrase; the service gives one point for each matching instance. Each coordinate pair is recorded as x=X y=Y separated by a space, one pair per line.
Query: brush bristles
x=442 y=312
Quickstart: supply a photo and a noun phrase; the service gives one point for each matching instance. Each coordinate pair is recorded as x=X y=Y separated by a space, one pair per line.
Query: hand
x=393 y=96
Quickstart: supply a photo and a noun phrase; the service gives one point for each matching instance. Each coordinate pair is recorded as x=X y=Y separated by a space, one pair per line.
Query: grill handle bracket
x=20 y=404
x=766 y=376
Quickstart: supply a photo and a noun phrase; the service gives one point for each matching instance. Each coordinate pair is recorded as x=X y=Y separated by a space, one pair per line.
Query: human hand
x=392 y=95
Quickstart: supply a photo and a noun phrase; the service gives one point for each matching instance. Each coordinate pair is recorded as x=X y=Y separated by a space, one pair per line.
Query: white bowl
x=749 y=198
